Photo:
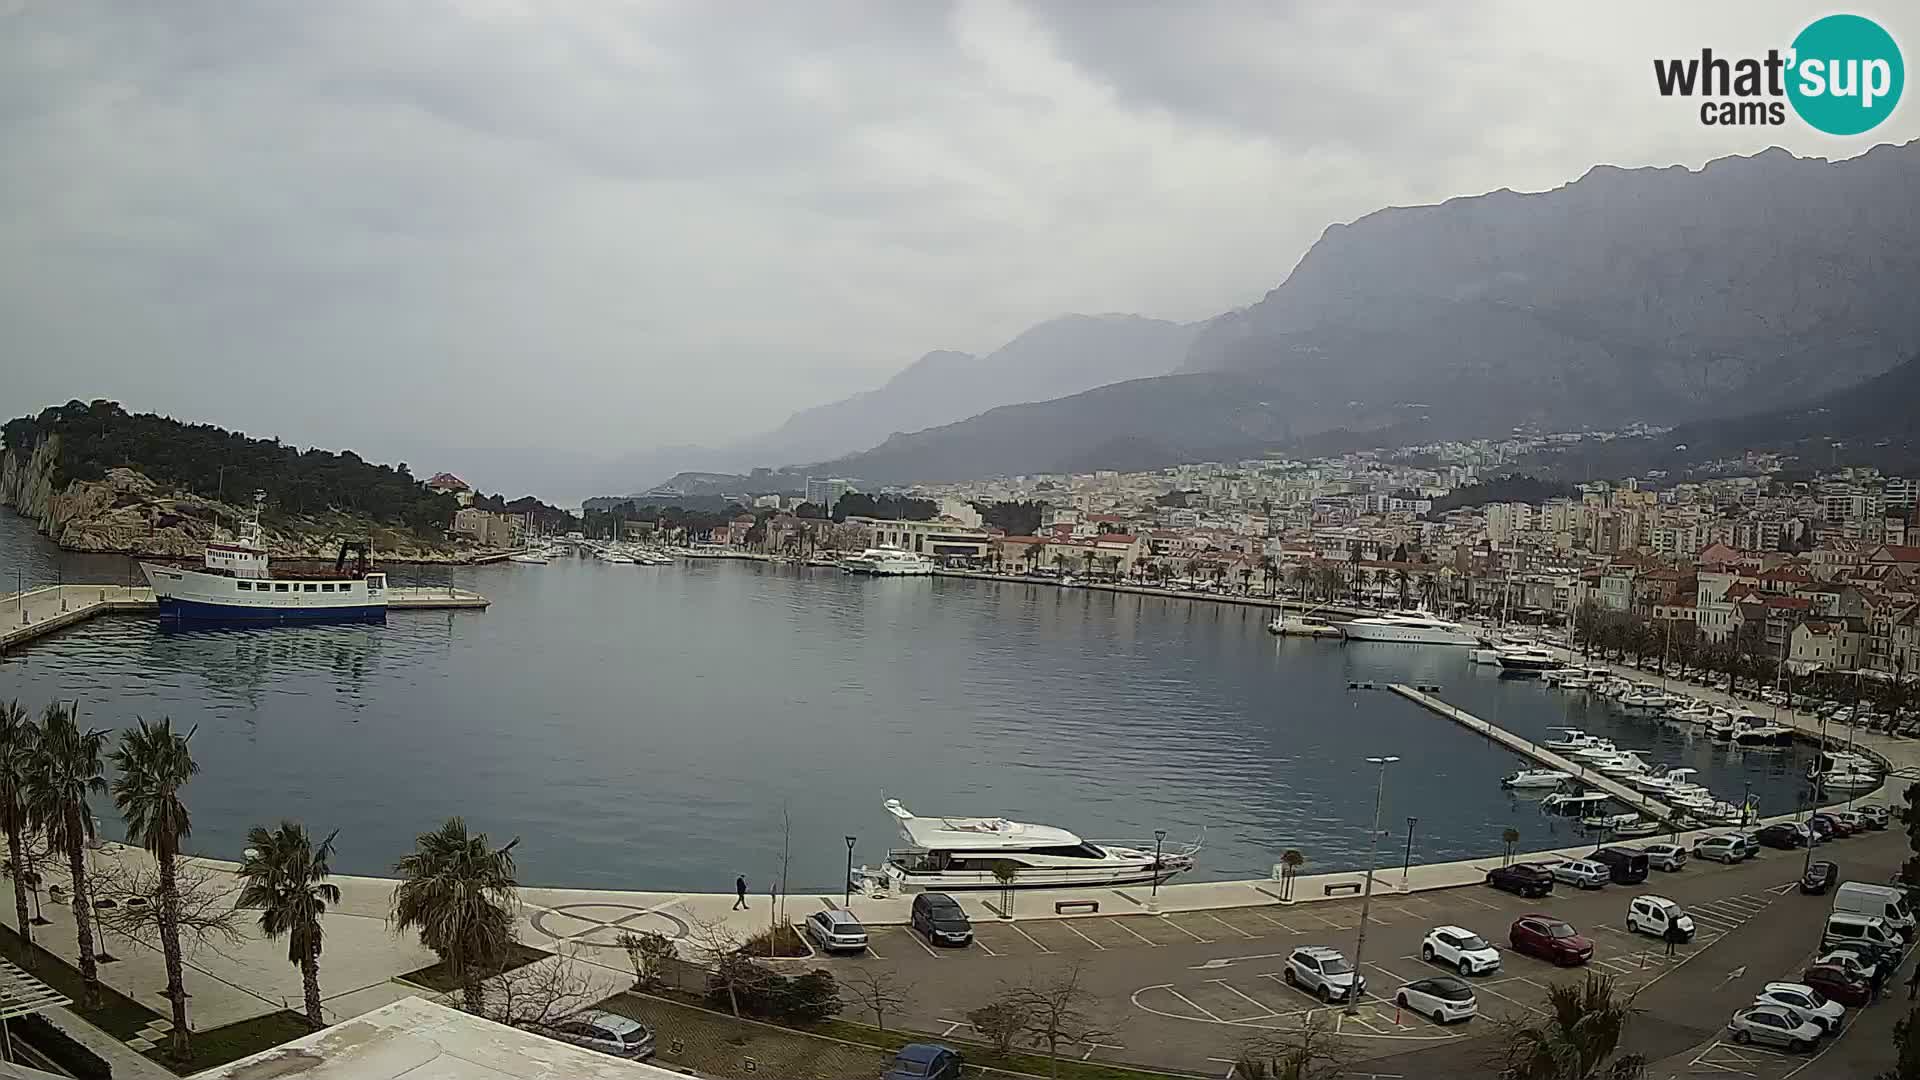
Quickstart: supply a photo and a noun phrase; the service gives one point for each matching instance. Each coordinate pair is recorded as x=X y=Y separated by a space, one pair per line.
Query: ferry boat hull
x=191 y=596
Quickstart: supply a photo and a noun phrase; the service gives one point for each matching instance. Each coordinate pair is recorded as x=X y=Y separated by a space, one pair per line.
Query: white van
x=1883 y=902
x=1844 y=928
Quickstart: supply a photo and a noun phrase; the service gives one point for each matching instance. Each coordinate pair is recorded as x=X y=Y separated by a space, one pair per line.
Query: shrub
x=809 y=998
x=763 y=992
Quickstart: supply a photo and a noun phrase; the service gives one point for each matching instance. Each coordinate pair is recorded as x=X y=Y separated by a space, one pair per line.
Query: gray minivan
x=1846 y=928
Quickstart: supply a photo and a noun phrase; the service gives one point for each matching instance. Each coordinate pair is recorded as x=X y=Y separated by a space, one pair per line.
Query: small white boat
x=1485 y=655
x=1571 y=739
x=961 y=853
x=1601 y=750
x=1643 y=827
x=1763 y=735
x=529 y=558
x=1525 y=659
x=1301 y=626
x=1579 y=806
x=1572 y=681
x=1535 y=778
x=1609 y=821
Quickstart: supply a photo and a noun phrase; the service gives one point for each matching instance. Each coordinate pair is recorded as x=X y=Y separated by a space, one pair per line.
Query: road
x=1187 y=990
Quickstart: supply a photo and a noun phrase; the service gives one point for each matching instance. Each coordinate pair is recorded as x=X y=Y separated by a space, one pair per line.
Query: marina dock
x=1634 y=799
x=38 y=612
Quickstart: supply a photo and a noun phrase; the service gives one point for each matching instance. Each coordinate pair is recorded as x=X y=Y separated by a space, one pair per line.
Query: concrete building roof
x=419 y=1040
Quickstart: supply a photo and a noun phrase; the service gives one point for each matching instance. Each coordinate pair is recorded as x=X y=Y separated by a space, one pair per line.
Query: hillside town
x=1823 y=572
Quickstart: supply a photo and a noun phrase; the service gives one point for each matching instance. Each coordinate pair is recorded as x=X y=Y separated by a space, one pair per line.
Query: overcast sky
x=588 y=228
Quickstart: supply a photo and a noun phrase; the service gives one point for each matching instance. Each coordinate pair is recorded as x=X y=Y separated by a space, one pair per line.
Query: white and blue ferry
x=236 y=586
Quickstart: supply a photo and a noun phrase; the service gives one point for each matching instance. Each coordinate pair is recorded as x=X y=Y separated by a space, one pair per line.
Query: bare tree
x=649 y=952
x=719 y=947
x=205 y=910
x=1056 y=1011
x=1000 y=1021
x=786 y=865
x=877 y=992
x=540 y=994
x=1311 y=1053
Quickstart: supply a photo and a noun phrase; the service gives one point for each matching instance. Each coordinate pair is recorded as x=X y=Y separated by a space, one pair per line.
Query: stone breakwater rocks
x=127 y=513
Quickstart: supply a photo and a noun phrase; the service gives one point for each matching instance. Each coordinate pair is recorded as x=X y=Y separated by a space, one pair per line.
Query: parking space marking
x=1255 y=1002
x=984 y=947
x=1204 y=941
x=1229 y=925
x=1480 y=902
x=928 y=949
x=1329 y=922
x=1084 y=937
x=1484 y=988
x=1029 y=937
x=1713 y=918
x=1122 y=924
x=1189 y=1003
x=1278 y=923
x=871 y=951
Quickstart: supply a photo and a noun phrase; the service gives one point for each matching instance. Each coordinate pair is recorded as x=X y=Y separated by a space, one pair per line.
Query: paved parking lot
x=1186 y=990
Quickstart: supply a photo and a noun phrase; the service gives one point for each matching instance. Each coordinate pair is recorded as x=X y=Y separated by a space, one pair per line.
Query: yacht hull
x=1407 y=635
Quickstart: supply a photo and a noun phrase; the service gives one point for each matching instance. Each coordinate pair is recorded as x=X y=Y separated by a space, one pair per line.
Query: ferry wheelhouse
x=962 y=853
x=236 y=584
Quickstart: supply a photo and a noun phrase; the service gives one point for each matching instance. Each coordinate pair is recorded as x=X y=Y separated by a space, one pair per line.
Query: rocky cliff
x=125 y=512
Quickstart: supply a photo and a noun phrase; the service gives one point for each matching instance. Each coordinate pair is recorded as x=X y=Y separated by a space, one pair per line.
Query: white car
x=1849 y=961
x=1665 y=856
x=1806 y=1001
x=1584 y=873
x=836 y=931
x=1775 y=1025
x=609 y=1033
x=1654 y=914
x=1461 y=949
x=1442 y=998
x=1323 y=972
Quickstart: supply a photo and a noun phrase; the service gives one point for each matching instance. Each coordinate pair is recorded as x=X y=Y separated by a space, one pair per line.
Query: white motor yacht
x=1601 y=750
x=1840 y=761
x=1409 y=628
x=962 y=853
x=1579 y=806
x=888 y=561
x=1693 y=712
x=1848 y=779
x=1571 y=739
x=1535 y=778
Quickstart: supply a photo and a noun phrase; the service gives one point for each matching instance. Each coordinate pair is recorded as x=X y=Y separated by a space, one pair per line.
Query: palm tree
x=457 y=892
x=286 y=880
x=64 y=771
x=1381 y=577
x=1402 y=579
x=1577 y=1036
x=153 y=764
x=1302 y=577
x=16 y=762
x=1269 y=571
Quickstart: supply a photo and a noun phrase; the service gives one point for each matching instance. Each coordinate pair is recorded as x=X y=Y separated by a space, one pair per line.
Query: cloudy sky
x=581 y=228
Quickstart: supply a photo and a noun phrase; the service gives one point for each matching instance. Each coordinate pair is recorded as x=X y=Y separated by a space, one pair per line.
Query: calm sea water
x=654 y=727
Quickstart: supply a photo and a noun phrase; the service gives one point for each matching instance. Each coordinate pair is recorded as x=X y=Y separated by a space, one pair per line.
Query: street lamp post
x=1153 y=895
x=847 y=900
x=1366 y=895
x=1407 y=864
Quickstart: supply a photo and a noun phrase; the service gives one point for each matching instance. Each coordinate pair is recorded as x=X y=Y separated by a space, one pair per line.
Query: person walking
x=1674 y=936
x=1913 y=983
x=1876 y=983
x=740 y=893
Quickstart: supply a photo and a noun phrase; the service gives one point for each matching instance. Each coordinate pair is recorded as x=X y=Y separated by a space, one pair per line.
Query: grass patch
x=440 y=977
x=118 y=1015
x=209 y=1049
x=980 y=1054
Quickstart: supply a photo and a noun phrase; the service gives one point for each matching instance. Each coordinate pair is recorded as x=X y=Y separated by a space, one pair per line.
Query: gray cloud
x=596 y=227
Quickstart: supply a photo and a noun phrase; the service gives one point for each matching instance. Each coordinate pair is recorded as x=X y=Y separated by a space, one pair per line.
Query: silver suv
x=1324 y=973
x=1584 y=873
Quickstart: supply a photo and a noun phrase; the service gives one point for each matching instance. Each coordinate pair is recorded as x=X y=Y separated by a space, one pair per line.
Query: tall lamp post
x=847 y=900
x=1366 y=896
x=1407 y=864
x=1153 y=896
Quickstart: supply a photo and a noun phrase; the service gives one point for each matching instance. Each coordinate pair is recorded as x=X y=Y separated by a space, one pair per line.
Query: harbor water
x=666 y=728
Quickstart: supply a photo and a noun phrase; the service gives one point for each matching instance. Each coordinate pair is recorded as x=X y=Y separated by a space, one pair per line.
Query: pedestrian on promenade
x=1876 y=982
x=1913 y=983
x=740 y=891
x=1674 y=936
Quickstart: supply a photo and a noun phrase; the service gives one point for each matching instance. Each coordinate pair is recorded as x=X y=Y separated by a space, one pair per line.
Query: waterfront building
x=823 y=492
x=942 y=538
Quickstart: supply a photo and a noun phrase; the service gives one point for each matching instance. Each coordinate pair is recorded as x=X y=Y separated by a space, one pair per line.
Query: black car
x=1819 y=877
x=1522 y=879
x=1628 y=866
x=1779 y=836
x=1829 y=827
x=939 y=918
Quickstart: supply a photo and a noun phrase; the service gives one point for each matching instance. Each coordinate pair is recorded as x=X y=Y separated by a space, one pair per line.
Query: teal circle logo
x=1847 y=74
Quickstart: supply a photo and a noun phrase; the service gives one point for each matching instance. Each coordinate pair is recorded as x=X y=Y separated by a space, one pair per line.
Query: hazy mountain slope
x=1652 y=294
x=1649 y=293
x=1055 y=358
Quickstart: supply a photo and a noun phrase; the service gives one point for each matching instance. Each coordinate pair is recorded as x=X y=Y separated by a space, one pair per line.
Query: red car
x=1835 y=983
x=1550 y=939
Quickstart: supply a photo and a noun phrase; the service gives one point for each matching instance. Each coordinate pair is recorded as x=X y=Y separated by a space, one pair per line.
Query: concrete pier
x=38 y=612
x=1635 y=799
